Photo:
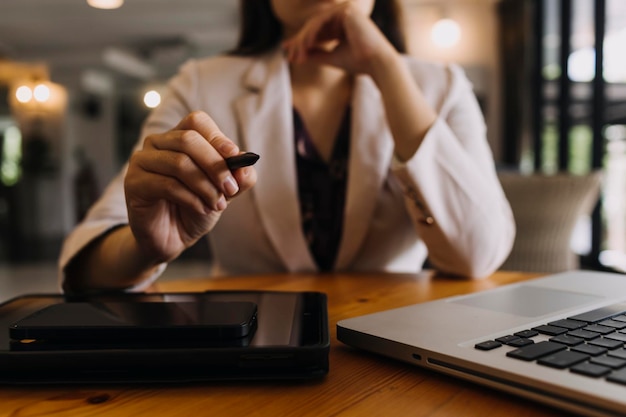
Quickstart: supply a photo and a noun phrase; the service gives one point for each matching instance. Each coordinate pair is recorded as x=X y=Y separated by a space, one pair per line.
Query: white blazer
x=445 y=203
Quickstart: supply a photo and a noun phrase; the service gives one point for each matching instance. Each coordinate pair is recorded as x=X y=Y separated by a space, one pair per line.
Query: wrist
x=111 y=261
x=385 y=66
x=138 y=255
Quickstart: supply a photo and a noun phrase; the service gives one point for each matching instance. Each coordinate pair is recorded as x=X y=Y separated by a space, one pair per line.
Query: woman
x=370 y=160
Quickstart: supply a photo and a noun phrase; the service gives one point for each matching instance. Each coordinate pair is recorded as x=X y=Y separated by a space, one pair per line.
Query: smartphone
x=128 y=321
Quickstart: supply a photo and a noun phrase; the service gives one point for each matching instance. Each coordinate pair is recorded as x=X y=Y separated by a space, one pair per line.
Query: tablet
x=290 y=341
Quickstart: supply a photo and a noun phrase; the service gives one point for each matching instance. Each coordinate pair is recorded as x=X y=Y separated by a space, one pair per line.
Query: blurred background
x=76 y=82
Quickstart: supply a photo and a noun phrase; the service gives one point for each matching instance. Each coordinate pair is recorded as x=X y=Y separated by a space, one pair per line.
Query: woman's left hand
x=341 y=36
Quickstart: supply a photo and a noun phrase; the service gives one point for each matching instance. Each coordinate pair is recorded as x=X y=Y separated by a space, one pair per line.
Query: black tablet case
x=171 y=363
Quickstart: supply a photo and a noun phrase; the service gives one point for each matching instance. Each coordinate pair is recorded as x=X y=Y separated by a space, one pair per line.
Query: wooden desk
x=359 y=383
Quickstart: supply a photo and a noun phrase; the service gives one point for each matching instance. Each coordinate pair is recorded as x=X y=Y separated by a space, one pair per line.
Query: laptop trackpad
x=527 y=300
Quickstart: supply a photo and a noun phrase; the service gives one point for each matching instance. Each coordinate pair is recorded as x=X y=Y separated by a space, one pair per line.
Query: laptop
x=558 y=339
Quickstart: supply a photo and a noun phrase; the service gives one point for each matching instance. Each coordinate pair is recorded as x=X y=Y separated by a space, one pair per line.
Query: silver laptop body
x=441 y=335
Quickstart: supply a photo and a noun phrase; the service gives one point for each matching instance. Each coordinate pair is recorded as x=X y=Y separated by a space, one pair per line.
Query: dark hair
x=260 y=30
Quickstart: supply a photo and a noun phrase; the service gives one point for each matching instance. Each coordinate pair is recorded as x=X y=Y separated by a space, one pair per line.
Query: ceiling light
x=40 y=97
x=105 y=4
x=41 y=93
x=24 y=94
x=152 y=99
x=446 y=33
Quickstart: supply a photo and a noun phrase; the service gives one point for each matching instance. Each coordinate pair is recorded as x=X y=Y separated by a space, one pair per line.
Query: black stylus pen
x=243 y=160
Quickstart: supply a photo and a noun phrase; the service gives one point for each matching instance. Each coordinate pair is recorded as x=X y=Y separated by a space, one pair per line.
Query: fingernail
x=230 y=186
x=221 y=204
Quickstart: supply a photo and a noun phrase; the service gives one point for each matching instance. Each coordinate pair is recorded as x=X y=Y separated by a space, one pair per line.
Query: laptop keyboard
x=590 y=344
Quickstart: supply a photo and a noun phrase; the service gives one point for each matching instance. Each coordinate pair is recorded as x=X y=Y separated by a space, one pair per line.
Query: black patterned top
x=322 y=190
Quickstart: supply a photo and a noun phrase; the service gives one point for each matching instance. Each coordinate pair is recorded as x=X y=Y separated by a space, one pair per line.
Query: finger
x=183 y=169
x=312 y=35
x=287 y=46
x=206 y=126
x=206 y=158
x=328 y=26
x=318 y=34
x=291 y=48
x=151 y=187
x=246 y=178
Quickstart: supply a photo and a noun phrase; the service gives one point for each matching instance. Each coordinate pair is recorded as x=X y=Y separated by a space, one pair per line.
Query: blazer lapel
x=371 y=151
x=265 y=117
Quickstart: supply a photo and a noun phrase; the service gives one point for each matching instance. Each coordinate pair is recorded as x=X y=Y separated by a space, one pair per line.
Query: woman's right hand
x=178 y=185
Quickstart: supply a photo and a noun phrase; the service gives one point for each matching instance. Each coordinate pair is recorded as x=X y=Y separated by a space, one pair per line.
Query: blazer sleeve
x=452 y=191
x=109 y=211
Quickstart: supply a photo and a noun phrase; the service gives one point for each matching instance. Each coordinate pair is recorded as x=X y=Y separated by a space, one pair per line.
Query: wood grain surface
x=358 y=384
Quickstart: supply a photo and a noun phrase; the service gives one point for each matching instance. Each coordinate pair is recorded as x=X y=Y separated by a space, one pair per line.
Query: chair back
x=546 y=209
